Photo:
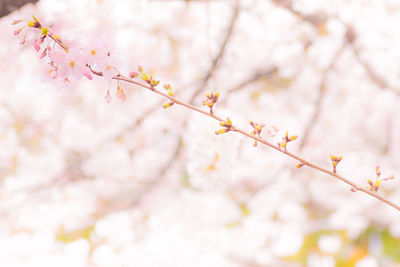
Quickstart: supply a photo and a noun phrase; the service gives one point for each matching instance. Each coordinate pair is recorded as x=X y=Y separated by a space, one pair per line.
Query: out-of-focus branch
x=134 y=198
x=253 y=78
x=314 y=19
x=207 y=76
x=318 y=19
x=321 y=94
x=374 y=77
x=201 y=87
x=220 y=54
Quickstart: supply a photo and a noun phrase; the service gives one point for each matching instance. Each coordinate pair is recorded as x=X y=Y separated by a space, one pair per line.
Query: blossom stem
x=353 y=185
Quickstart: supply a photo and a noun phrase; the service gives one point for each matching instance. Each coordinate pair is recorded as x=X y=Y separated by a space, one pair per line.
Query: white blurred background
x=90 y=183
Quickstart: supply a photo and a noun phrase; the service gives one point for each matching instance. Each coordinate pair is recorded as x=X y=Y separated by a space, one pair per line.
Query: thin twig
x=255 y=77
x=375 y=78
x=219 y=55
x=354 y=186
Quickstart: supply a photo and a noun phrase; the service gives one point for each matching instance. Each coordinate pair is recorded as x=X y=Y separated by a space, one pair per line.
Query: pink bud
x=17 y=31
x=53 y=75
x=16 y=21
x=389 y=178
x=108 y=96
x=36 y=44
x=133 y=74
x=44 y=53
x=87 y=74
x=120 y=93
x=23 y=40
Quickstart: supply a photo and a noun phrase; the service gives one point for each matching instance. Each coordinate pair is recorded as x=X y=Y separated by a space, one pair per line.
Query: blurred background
x=84 y=182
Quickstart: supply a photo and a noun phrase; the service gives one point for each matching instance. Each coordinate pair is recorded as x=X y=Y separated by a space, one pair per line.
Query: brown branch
x=353 y=185
x=257 y=138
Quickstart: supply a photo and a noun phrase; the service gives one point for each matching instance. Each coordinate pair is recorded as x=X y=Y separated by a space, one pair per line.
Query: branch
x=255 y=135
x=354 y=186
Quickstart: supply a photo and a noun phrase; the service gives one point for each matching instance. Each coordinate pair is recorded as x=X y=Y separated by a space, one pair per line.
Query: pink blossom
x=106 y=66
x=36 y=44
x=44 y=53
x=108 y=96
x=87 y=73
x=96 y=53
x=49 y=72
x=70 y=64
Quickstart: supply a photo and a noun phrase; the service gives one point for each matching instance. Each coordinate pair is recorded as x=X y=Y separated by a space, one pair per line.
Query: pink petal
x=36 y=45
x=87 y=74
x=108 y=96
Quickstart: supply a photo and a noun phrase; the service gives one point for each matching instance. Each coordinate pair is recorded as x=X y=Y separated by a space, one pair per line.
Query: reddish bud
x=23 y=40
x=44 y=53
x=167 y=87
x=120 y=93
x=18 y=31
x=154 y=82
x=167 y=105
x=16 y=21
x=108 y=96
x=389 y=178
x=299 y=165
x=44 y=31
x=133 y=74
x=221 y=131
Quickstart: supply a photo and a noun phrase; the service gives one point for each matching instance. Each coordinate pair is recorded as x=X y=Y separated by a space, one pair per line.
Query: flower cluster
x=148 y=78
x=299 y=165
x=66 y=64
x=257 y=128
x=335 y=161
x=227 y=126
x=168 y=88
x=374 y=185
x=210 y=100
x=285 y=140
